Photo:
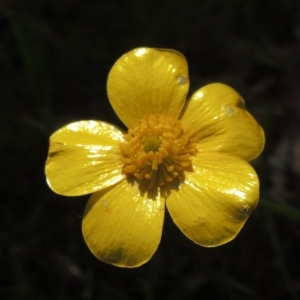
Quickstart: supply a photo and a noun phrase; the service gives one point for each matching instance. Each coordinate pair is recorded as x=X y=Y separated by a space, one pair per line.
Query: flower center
x=151 y=143
x=157 y=153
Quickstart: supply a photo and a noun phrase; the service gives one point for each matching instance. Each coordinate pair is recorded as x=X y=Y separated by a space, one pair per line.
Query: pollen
x=157 y=153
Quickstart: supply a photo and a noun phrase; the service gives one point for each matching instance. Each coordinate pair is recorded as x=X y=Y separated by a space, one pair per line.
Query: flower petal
x=220 y=123
x=215 y=200
x=148 y=81
x=121 y=227
x=83 y=158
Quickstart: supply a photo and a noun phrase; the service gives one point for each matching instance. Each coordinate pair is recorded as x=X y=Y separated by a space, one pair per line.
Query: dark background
x=54 y=60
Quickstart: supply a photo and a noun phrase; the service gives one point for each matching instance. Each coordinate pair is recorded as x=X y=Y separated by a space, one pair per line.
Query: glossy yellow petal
x=122 y=228
x=148 y=81
x=84 y=157
x=214 y=202
x=219 y=122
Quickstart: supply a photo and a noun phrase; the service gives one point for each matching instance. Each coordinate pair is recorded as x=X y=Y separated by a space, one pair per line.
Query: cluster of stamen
x=157 y=153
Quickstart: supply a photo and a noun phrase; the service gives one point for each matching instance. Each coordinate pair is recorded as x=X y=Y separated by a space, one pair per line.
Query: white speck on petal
x=181 y=80
x=229 y=110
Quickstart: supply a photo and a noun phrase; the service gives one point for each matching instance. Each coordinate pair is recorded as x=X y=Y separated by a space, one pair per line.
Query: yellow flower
x=190 y=156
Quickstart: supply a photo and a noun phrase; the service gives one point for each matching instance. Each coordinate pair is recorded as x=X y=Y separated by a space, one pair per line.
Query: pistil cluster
x=157 y=153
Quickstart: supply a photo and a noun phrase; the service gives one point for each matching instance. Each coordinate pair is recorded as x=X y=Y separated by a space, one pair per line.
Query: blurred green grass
x=55 y=57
